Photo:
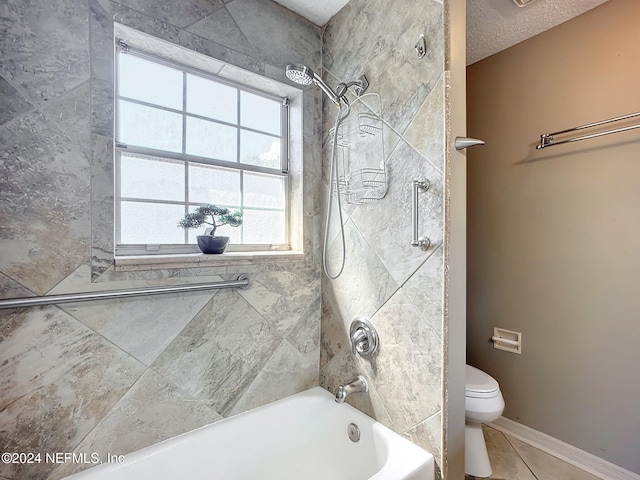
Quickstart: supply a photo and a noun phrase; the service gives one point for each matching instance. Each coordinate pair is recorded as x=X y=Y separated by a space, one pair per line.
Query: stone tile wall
x=114 y=376
x=117 y=375
x=399 y=288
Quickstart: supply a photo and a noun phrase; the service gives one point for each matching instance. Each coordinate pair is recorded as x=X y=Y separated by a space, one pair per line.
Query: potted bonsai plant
x=216 y=217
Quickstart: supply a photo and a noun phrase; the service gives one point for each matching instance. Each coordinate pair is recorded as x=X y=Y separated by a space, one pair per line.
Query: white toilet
x=483 y=403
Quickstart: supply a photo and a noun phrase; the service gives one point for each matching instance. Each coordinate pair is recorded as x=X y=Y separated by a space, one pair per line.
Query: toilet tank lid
x=479 y=381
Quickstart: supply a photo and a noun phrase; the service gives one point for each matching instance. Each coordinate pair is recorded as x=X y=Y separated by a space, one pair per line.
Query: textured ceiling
x=318 y=11
x=492 y=25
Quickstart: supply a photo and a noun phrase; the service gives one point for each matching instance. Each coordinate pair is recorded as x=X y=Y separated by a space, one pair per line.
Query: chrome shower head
x=300 y=74
x=303 y=75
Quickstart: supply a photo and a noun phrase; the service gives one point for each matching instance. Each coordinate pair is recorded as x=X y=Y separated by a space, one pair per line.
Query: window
x=186 y=138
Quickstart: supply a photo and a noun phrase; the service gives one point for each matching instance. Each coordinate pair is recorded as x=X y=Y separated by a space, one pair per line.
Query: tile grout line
x=518 y=454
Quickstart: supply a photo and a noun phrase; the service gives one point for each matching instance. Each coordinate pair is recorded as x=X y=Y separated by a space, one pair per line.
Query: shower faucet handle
x=364 y=338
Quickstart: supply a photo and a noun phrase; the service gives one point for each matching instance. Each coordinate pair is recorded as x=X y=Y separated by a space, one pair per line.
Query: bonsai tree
x=211 y=215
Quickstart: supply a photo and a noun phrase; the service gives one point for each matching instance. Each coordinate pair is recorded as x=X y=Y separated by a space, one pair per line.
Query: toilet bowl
x=483 y=403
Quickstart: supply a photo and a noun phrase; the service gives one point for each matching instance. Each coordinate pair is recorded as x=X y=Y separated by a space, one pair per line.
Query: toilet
x=483 y=403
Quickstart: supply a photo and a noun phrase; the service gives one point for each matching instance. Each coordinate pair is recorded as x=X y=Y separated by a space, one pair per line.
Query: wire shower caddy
x=360 y=149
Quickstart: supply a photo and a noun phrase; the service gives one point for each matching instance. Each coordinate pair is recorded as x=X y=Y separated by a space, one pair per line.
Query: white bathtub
x=302 y=437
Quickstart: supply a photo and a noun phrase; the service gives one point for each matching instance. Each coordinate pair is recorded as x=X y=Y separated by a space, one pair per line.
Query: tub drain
x=354 y=432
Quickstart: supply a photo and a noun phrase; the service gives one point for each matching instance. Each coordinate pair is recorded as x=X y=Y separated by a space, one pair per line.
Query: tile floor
x=512 y=459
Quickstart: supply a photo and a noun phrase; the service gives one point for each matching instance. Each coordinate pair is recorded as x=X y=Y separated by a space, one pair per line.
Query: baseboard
x=559 y=449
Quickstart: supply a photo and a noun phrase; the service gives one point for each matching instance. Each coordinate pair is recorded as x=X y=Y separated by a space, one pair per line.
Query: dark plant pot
x=209 y=244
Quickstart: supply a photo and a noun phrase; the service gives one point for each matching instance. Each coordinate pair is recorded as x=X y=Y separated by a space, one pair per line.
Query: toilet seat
x=479 y=384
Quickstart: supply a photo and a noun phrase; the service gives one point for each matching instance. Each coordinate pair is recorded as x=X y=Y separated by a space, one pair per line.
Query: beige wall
x=553 y=235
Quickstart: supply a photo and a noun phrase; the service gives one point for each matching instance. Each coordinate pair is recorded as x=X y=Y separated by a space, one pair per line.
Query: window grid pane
x=263 y=191
x=150 y=82
x=151 y=178
x=263 y=225
x=208 y=184
x=211 y=99
x=151 y=218
x=211 y=140
x=260 y=113
x=259 y=149
x=259 y=196
x=150 y=223
x=149 y=127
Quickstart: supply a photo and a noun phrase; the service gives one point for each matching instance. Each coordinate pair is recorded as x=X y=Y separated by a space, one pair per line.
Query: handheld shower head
x=303 y=75
x=300 y=74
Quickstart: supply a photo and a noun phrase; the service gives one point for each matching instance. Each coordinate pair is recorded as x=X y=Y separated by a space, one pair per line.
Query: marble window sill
x=159 y=262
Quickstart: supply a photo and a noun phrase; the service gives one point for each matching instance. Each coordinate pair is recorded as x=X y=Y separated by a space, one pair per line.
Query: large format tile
x=505 y=462
x=545 y=466
x=428 y=434
x=425 y=132
x=58 y=379
x=347 y=38
x=13 y=104
x=107 y=12
x=143 y=326
x=71 y=113
x=180 y=14
x=12 y=289
x=287 y=372
x=101 y=49
x=333 y=329
x=425 y=289
x=512 y=459
x=220 y=27
x=135 y=422
x=405 y=377
x=44 y=200
x=305 y=335
x=68 y=376
x=401 y=78
x=293 y=367
x=345 y=367
x=283 y=298
x=219 y=354
x=44 y=46
x=311 y=150
x=365 y=284
x=387 y=223
x=102 y=206
x=277 y=35
x=407 y=369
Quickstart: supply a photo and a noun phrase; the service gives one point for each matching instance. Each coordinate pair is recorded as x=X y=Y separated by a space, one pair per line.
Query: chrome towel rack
x=548 y=140
x=243 y=282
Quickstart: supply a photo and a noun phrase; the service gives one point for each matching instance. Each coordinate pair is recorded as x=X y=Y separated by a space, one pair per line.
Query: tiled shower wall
x=117 y=375
x=399 y=288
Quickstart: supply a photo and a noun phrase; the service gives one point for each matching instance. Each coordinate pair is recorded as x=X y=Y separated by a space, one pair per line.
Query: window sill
x=160 y=262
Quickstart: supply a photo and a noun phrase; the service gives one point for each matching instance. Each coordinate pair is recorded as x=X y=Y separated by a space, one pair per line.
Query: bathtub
x=301 y=437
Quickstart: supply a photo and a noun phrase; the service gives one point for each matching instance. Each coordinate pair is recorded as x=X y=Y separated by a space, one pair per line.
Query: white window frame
x=121 y=148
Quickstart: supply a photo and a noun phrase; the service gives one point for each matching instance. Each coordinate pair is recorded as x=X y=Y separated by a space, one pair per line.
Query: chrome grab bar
x=423 y=242
x=243 y=281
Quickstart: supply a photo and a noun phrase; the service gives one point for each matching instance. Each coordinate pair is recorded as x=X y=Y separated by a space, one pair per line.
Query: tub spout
x=357 y=385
